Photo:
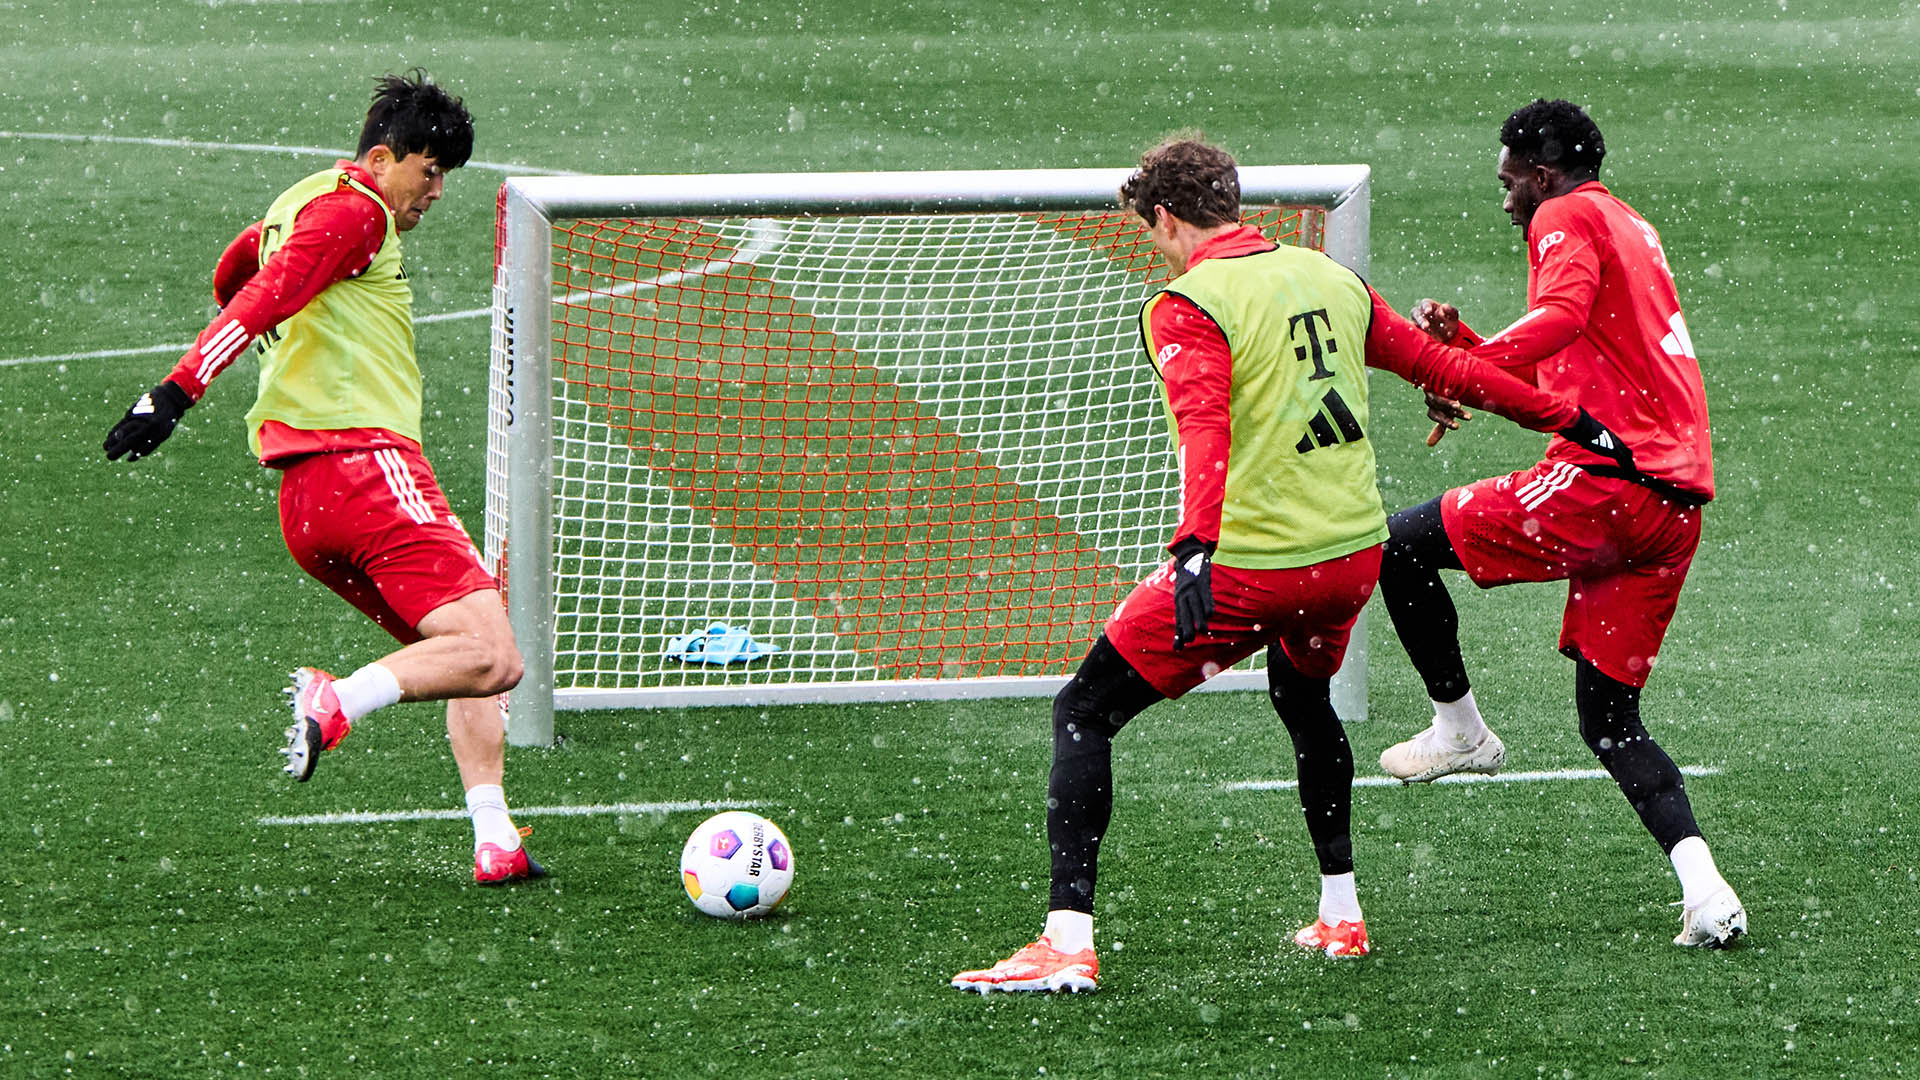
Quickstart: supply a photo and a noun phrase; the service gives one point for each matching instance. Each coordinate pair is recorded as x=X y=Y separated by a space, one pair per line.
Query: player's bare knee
x=509 y=668
x=502 y=668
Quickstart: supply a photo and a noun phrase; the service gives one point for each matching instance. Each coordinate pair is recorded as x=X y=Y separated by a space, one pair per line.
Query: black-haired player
x=1603 y=327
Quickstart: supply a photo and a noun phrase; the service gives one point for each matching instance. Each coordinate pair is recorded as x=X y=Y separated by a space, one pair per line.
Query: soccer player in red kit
x=1262 y=353
x=1603 y=327
x=318 y=283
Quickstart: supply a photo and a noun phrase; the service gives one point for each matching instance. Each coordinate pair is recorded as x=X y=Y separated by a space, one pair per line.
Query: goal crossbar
x=525 y=400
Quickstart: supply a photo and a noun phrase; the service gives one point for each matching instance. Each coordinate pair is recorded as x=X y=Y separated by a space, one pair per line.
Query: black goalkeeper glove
x=1593 y=435
x=148 y=423
x=1192 y=589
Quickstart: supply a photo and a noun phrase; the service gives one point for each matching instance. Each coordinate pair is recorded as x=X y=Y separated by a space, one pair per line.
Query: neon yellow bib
x=346 y=359
x=1300 y=483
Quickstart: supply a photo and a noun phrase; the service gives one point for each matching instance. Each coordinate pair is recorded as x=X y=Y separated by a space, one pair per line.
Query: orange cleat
x=1039 y=966
x=1341 y=939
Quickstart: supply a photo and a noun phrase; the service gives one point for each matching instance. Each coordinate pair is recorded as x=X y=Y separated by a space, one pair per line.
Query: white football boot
x=1429 y=756
x=1717 y=923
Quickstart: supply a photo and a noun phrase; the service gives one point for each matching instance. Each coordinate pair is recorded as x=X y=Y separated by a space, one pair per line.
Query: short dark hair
x=410 y=115
x=1198 y=183
x=1557 y=133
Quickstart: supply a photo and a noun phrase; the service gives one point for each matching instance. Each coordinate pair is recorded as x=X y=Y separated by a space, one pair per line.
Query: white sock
x=1070 y=931
x=1699 y=877
x=372 y=687
x=491 y=823
x=1339 y=900
x=1458 y=722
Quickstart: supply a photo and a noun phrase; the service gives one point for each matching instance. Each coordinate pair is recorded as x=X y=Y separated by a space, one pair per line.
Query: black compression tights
x=1417 y=549
x=1423 y=615
x=1087 y=713
x=1323 y=761
x=1610 y=724
x=1106 y=693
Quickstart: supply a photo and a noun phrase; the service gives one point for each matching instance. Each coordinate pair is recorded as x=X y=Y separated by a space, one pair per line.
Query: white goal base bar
x=877 y=690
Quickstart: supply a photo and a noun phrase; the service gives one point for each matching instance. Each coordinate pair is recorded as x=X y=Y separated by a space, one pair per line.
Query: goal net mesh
x=877 y=447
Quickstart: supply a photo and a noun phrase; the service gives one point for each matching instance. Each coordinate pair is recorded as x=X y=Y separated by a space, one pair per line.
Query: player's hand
x=1446 y=414
x=1591 y=434
x=148 y=423
x=1192 y=589
x=1440 y=321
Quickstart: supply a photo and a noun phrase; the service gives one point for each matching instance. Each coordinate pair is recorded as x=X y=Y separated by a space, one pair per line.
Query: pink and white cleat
x=318 y=723
x=495 y=865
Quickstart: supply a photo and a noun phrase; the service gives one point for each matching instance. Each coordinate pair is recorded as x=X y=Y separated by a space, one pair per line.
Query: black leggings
x=1106 y=693
x=1417 y=549
x=1423 y=614
x=1610 y=724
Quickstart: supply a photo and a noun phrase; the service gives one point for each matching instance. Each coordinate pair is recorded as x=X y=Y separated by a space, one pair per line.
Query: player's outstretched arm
x=1461 y=378
x=333 y=238
x=1455 y=376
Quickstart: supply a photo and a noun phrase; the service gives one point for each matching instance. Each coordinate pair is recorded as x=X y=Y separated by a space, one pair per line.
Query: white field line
x=256 y=148
x=100 y=354
x=1542 y=776
x=372 y=818
x=766 y=234
x=252 y=148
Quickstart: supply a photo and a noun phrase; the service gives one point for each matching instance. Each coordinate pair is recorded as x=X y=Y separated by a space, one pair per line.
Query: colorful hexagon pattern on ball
x=737 y=865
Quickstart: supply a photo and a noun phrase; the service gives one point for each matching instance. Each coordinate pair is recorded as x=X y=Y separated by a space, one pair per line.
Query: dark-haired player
x=318 y=284
x=1603 y=327
x=1262 y=352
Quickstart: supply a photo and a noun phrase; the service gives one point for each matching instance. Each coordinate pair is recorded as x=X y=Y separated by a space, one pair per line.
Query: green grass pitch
x=151 y=925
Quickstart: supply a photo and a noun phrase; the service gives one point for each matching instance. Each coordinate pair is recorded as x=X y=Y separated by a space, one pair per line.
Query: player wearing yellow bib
x=1261 y=351
x=319 y=285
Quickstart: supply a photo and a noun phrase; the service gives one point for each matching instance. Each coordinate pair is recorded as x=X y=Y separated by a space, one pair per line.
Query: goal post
x=761 y=438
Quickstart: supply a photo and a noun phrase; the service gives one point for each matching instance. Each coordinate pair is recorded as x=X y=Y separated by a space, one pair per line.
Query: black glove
x=148 y=423
x=1192 y=589
x=1593 y=435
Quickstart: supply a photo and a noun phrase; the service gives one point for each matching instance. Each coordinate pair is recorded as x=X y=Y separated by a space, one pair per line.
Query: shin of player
x=318 y=286
x=1603 y=326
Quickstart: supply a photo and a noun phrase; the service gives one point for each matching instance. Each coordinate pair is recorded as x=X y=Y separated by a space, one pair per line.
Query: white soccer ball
x=737 y=865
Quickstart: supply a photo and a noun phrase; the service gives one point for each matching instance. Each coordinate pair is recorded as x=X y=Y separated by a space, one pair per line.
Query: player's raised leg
x=465 y=655
x=1458 y=739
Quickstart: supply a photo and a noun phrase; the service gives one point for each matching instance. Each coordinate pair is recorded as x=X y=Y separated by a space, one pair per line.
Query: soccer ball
x=737 y=865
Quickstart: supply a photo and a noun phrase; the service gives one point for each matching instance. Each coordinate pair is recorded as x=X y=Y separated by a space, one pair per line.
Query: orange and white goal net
x=832 y=437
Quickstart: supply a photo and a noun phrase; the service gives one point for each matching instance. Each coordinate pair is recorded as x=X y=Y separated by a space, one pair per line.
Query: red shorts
x=1623 y=550
x=373 y=526
x=1308 y=610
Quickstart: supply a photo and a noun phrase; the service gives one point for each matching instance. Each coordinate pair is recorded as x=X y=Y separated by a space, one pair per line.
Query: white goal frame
x=520 y=473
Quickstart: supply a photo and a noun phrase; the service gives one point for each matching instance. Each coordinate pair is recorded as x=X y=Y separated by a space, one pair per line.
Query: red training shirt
x=1603 y=328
